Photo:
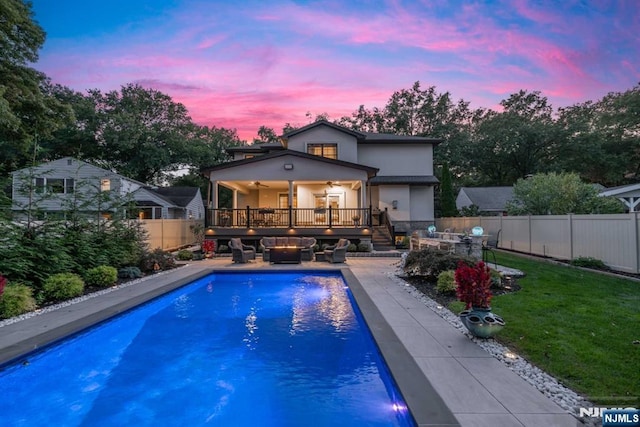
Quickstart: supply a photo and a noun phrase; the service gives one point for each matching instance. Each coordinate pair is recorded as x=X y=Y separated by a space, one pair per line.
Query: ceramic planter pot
x=481 y=322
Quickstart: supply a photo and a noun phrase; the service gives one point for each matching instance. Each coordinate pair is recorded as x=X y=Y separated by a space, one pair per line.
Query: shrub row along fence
x=170 y=234
x=613 y=239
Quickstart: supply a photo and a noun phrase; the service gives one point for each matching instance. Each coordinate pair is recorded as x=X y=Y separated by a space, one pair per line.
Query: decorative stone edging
x=81 y=298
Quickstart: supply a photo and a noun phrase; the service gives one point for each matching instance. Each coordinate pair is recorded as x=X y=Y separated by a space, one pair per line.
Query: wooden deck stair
x=381 y=239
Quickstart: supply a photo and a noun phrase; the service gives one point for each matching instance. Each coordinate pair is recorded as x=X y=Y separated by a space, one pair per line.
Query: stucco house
x=53 y=187
x=489 y=200
x=325 y=180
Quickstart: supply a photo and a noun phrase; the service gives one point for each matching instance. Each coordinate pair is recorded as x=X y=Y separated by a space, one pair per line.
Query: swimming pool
x=229 y=349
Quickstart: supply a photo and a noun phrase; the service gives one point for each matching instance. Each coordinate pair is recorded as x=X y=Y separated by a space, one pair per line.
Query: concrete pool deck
x=450 y=380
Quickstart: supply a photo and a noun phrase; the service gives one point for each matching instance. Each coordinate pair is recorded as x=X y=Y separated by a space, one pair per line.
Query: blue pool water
x=229 y=349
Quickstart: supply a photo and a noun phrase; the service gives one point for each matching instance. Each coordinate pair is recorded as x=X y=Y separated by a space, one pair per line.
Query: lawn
x=581 y=327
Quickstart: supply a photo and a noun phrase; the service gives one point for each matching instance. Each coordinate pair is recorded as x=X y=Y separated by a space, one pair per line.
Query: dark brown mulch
x=428 y=288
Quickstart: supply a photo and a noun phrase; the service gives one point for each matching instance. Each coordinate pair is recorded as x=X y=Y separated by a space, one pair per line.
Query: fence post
x=634 y=227
x=529 y=223
x=570 y=219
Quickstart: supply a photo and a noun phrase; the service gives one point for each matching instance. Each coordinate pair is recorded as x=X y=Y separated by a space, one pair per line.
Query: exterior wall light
x=394 y=204
x=288 y=166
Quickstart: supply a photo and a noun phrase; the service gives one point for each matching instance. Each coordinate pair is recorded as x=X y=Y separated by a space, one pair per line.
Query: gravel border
x=85 y=297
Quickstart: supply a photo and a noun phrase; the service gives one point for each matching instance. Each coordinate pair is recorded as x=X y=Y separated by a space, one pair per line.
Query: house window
x=105 y=184
x=329 y=151
x=54 y=185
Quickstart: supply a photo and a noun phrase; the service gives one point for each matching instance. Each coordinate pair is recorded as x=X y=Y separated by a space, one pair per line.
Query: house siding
x=87 y=180
x=347 y=144
x=398 y=159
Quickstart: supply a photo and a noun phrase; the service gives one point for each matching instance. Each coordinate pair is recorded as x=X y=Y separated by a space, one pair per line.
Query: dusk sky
x=242 y=64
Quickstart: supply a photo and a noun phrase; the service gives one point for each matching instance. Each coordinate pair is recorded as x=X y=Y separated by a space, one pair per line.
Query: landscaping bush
x=446 y=282
x=62 y=286
x=352 y=247
x=589 y=262
x=185 y=255
x=223 y=249
x=162 y=259
x=16 y=300
x=429 y=263
x=129 y=273
x=364 y=247
x=101 y=276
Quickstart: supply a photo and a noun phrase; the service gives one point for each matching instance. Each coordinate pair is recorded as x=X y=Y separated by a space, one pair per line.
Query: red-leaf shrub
x=473 y=285
x=3 y=282
x=208 y=246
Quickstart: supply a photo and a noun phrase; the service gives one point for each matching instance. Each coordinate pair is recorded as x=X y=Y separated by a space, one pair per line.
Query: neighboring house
x=54 y=187
x=169 y=203
x=627 y=194
x=324 y=176
x=489 y=200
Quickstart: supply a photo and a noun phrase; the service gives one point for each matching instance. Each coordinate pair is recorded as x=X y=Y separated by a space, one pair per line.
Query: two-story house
x=56 y=187
x=327 y=181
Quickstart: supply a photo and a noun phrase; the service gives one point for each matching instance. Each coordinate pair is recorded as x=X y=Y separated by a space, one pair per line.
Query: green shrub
x=16 y=300
x=185 y=255
x=101 y=276
x=352 y=247
x=589 y=262
x=429 y=262
x=364 y=247
x=496 y=279
x=223 y=249
x=446 y=282
x=62 y=286
x=129 y=273
x=157 y=260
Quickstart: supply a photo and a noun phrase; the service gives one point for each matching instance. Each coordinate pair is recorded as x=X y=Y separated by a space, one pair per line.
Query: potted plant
x=356 y=220
x=473 y=287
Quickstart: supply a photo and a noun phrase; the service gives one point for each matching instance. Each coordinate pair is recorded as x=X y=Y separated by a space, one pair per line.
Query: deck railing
x=289 y=218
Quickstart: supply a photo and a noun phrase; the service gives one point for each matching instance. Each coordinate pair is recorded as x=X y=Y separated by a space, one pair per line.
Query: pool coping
x=20 y=339
x=424 y=402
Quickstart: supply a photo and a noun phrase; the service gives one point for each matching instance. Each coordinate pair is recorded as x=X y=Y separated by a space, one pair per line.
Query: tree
x=265 y=135
x=559 y=194
x=447 y=198
x=514 y=143
x=27 y=115
x=601 y=140
x=142 y=133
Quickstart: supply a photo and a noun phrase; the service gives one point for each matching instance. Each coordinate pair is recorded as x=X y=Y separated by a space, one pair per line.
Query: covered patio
x=290 y=193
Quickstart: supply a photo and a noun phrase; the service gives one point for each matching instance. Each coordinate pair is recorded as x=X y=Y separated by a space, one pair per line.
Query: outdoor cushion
x=293 y=241
x=282 y=241
x=268 y=242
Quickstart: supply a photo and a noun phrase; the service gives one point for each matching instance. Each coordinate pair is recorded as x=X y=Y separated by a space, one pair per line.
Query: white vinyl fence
x=169 y=234
x=613 y=239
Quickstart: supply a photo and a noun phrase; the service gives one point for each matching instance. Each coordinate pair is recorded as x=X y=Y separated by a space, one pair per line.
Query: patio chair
x=337 y=252
x=240 y=252
x=489 y=246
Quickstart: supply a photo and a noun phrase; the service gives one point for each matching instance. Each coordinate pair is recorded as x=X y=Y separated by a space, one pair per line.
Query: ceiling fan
x=333 y=184
x=258 y=184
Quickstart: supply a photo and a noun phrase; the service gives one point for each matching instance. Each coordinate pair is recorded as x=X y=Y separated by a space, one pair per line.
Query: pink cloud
x=239 y=67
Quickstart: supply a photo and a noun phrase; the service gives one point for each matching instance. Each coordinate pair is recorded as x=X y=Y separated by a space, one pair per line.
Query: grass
x=581 y=327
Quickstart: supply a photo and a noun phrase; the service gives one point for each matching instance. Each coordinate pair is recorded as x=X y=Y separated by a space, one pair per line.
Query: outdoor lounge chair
x=241 y=253
x=489 y=246
x=337 y=252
